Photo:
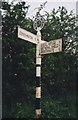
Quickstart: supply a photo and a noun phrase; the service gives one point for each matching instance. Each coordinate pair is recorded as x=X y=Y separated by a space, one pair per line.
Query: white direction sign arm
x=28 y=36
x=51 y=47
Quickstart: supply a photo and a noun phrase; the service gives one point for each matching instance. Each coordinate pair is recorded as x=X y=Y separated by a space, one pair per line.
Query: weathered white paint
x=51 y=47
x=38 y=112
x=38 y=92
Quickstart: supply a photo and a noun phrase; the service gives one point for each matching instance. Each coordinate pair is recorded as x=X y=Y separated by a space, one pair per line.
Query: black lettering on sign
x=25 y=35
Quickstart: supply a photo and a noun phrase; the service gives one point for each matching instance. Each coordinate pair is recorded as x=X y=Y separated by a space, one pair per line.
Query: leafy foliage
x=59 y=70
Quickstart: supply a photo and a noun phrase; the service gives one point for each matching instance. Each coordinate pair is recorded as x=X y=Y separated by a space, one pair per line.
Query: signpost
x=42 y=47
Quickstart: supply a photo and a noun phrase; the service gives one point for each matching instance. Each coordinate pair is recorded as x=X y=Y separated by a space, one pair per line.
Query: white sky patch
x=34 y=4
x=42 y=0
x=51 y=0
x=49 y=6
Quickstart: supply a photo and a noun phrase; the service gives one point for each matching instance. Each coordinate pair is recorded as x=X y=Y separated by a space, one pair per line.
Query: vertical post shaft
x=38 y=75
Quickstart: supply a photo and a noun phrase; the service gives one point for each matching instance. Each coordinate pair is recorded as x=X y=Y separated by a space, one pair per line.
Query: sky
x=50 y=5
x=69 y=5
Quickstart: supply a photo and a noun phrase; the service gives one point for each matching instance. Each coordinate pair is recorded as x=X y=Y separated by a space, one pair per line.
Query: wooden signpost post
x=42 y=47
